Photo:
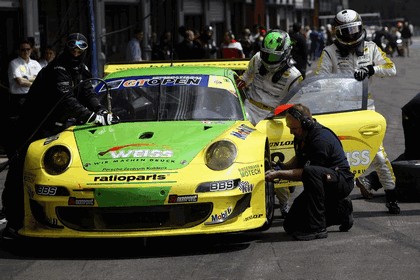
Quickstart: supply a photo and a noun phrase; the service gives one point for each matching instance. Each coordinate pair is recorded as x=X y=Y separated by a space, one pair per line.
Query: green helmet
x=276 y=47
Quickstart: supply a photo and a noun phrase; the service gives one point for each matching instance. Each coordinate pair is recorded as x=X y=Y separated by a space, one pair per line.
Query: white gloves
x=103 y=118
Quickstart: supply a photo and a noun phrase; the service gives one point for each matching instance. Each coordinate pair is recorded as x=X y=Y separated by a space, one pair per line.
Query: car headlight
x=57 y=160
x=220 y=155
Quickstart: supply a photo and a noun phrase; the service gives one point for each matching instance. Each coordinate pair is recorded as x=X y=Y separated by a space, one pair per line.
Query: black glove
x=363 y=72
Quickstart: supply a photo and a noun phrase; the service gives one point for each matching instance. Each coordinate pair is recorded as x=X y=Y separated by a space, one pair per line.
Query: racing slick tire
x=407 y=183
x=269 y=195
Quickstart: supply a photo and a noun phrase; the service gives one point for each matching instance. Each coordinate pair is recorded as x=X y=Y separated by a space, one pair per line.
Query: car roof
x=172 y=70
x=236 y=65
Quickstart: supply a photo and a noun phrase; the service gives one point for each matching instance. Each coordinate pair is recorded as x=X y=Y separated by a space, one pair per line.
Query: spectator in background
x=207 y=42
x=299 y=50
x=163 y=49
x=230 y=48
x=189 y=48
x=330 y=35
x=246 y=42
x=406 y=35
x=133 y=51
x=259 y=41
x=47 y=56
x=317 y=42
x=22 y=72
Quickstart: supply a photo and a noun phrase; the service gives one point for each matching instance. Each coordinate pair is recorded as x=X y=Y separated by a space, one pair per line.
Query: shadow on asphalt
x=127 y=248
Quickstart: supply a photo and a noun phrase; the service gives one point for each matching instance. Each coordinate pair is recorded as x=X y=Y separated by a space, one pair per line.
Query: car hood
x=145 y=146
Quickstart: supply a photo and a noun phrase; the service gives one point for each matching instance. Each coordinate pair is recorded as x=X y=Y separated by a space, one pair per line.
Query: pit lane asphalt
x=379 y=246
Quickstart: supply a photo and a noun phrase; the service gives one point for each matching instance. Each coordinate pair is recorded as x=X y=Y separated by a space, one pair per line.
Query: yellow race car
x=183 y=159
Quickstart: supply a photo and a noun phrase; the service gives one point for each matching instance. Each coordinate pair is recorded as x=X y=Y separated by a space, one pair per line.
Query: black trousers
x=317 y=206
x=12 y=196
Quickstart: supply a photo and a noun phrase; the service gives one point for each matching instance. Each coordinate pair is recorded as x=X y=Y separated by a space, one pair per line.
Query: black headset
x=305 y=121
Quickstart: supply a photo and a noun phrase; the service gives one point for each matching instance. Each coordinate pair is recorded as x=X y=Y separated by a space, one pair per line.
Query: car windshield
x=170 y=98
x=333 y=93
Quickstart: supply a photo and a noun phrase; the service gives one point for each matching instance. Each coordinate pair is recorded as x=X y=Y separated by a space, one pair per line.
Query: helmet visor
x=272 y=57
x=350 y=33
x=73 y=44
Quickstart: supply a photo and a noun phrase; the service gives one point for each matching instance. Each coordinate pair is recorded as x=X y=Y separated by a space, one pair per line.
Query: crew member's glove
x=363 y=72
x=103 y=117
x=240 y=83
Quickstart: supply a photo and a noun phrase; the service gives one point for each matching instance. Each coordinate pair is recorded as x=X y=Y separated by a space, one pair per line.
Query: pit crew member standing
x=56 y=96
x=269 y=77
x=321 y=164
x=350 y=53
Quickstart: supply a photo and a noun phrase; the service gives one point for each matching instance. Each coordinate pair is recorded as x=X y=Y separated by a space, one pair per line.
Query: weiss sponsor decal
x=141 y=154
x=356 y=158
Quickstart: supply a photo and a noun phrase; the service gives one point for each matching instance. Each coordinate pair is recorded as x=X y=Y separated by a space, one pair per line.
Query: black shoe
x=9 y=233
x=391 y=202
x=393 y=207
x=345 y=209
x=306 y=236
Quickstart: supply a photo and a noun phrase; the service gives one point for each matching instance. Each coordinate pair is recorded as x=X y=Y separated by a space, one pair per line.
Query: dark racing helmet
x=276 y=48
x=75 y=41
x=348 y=27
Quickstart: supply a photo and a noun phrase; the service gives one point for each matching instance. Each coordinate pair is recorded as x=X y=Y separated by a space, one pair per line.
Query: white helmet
x=349 y=28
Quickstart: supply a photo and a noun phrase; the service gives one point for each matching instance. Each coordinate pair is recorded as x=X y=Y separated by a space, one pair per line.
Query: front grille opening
x=134 y=218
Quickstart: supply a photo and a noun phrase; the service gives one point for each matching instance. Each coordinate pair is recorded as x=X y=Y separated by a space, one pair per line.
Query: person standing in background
x=47 y=56
x=22 y=72
x=133 y=51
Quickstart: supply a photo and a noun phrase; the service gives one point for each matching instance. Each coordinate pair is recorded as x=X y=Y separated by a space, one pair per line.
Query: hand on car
x=240 y=83
x=103 y=117
x=364 y=72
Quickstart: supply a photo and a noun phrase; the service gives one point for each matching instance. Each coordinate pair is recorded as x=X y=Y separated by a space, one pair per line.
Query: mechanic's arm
x=288 y=174
x=288 y=171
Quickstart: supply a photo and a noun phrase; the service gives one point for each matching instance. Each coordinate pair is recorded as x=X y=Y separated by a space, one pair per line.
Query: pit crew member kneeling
x=320 y=163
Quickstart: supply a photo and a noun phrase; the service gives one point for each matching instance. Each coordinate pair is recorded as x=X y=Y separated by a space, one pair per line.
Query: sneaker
x=306 y=236
x=365 y=188
x=2 y=218
x=346 y=214
x=9 y=233
x=393 y=207
x=284 y=211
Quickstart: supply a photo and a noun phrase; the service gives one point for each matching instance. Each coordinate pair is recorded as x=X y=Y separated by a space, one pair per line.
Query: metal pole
x=94 y=52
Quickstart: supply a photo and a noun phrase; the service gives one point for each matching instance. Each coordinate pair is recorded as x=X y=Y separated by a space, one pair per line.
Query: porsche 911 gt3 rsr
x=183 y=159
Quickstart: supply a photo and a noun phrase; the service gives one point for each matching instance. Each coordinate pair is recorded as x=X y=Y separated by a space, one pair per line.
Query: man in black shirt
x=321 y=164
x=61 y=95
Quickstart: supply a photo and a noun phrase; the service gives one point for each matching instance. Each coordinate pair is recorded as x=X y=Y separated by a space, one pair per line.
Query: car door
x=340 y=103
